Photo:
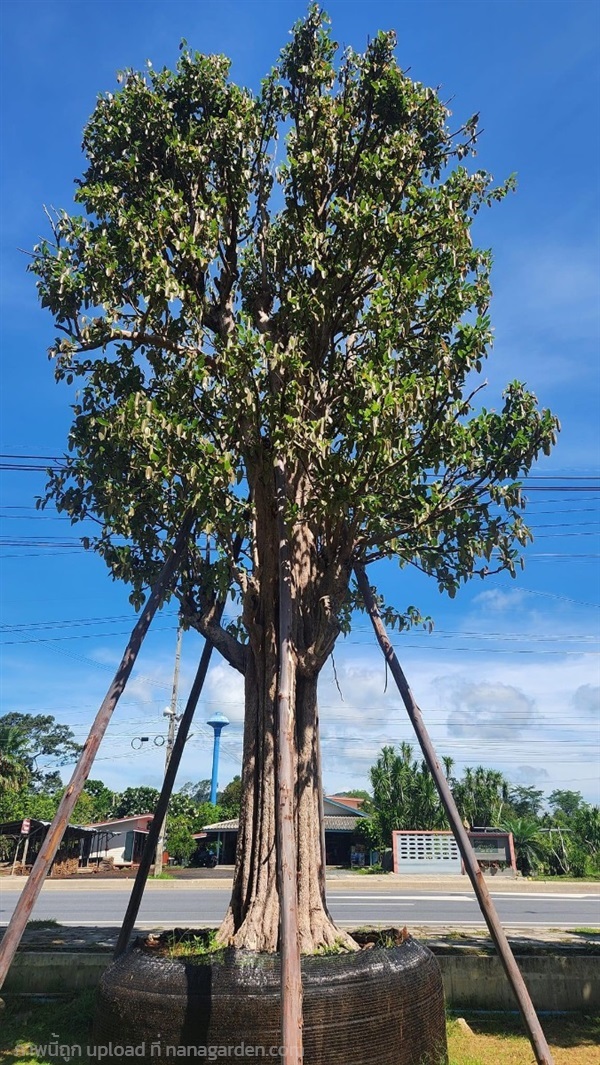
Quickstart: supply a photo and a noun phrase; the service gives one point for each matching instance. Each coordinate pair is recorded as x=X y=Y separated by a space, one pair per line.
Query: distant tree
x=15 y=771
x=404 y=795
x=231 y=797
x=529 y=841
x=354 y=793
x=481 y=796
x=179 y=840
x=565 y=802
x=140 y=800
x=199 y=792
x=586 y=839
x=525 y=800
x=40 y=736
x=274 y=299
x=103 y=799
x=210 y=814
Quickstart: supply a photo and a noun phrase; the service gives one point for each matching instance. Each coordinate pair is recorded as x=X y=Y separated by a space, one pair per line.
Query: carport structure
x=29 y=834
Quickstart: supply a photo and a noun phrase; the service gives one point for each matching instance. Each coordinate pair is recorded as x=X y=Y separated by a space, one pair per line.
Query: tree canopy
x=222 y=297
x=38 y=743
x=283 y=281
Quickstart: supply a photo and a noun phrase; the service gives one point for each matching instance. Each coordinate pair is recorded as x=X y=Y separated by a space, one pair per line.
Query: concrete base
x=555 y=982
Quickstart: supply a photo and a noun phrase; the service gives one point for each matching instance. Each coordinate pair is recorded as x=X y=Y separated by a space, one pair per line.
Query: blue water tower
x=216 y=722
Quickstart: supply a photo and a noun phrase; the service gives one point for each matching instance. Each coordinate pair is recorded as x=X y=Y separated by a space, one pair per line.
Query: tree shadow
x=561 y=1029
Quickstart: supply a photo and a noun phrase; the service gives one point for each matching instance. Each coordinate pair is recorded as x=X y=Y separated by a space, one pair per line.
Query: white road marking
x=402 y=898
x=548 y=897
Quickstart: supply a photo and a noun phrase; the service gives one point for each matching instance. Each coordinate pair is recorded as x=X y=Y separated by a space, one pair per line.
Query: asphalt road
x=189 y=904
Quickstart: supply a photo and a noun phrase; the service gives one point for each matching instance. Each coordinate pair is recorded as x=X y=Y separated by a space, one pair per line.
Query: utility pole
x=171 y=713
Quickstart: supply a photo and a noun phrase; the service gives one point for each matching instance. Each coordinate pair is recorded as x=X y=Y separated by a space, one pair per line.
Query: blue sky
x=510 y=676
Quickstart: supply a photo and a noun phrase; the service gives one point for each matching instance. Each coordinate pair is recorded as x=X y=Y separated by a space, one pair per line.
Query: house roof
x=13 y=828
x=120 y=820
x=341 y=805
x=331 y=823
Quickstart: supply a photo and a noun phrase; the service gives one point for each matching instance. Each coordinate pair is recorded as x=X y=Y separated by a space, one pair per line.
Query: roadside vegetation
x=555 y=835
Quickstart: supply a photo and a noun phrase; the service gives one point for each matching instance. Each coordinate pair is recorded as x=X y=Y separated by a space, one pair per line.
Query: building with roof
x=28 y=833
x=120 y=841
x=343 y=846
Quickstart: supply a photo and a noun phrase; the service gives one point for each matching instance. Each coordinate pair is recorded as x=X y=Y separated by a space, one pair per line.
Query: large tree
x=40 y=743
x=286 y=277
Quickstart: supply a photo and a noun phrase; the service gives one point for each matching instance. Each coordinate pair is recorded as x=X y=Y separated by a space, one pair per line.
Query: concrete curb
x=392 y=882
x=555 y=982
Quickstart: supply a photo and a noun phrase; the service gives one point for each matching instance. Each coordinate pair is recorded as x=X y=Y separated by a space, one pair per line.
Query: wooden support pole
x=534 y=1029
x=287 y=876
x=47 y=852
x=154 y=834
x=160 y=813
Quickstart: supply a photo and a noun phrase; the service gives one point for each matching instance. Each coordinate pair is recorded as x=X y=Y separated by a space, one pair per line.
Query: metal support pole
x=172 y=715
x=534 y=1029
x=27 y=899
x=291 y=977
x=14 y=864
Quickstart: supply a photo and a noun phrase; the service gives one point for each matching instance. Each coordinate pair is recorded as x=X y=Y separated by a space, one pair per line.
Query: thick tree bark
x=252 y=921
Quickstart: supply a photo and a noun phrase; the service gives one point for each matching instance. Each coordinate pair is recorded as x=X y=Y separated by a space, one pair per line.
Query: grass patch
x=187 y=943
x=498 y=1039
x=490 y=1039
x=334 y=948
x=43 y=922
x=27 y=1025
x=583 y=931
x=549 y=878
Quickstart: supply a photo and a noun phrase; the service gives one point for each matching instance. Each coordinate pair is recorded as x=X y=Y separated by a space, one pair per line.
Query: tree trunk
x=252 y=920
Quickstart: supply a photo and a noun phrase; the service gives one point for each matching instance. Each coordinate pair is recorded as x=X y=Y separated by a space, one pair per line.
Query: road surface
x=169 y=903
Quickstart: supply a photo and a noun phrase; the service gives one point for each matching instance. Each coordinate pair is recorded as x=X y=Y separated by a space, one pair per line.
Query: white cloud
x=586 y=701
x=488 y=710
x=500 y=601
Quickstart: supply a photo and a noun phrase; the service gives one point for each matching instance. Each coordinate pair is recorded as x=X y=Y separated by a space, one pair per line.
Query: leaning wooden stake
x=160 y=812
x=18 y=921
x=154 y=835
x=534 y=1030
x=289 y=942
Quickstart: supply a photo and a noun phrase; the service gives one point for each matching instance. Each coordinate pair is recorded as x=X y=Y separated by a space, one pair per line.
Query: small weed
x=190 y=943
x=329 y=949
x=43 y=922
x=374 y=870
x=584 y=931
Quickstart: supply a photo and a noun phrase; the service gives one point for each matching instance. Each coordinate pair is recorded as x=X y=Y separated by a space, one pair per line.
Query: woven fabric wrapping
x=383 y=1006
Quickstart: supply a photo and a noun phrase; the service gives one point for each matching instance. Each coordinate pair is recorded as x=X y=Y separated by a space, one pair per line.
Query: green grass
x=28 y=1024
x=542 y=878
x=183 y=943
x=584 y=931
x=490 y=1039
x=43 y=922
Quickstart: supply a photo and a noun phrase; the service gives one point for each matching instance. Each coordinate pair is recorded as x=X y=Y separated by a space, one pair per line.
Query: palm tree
x=528 y=841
